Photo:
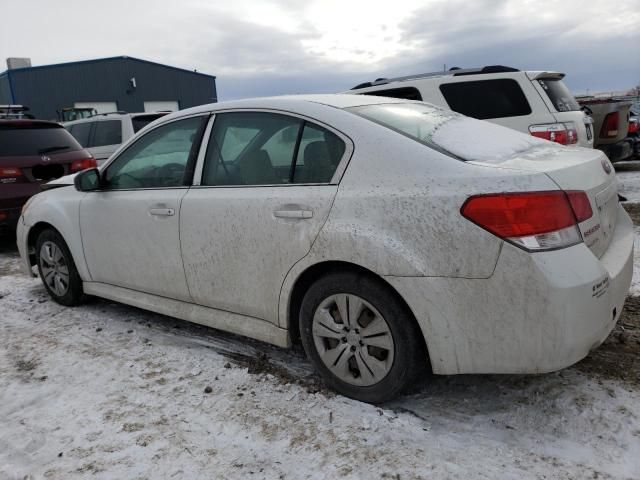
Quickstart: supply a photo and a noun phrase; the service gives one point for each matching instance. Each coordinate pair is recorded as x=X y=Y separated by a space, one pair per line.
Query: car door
x=130 y=226
x=267 y=184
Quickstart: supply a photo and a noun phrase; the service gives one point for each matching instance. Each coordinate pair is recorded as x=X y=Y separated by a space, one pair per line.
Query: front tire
x=360 y=337
x=57 y=269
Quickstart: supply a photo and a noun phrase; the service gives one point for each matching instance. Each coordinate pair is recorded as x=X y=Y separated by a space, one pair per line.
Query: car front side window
x=157 y=160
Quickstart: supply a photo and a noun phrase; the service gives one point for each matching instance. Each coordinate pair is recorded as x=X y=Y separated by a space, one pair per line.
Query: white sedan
x=389 y=236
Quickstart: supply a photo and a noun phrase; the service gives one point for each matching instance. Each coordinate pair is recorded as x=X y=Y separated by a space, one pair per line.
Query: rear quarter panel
x=397 y=212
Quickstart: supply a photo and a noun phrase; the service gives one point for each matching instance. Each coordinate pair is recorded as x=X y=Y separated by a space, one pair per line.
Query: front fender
x=60 y=209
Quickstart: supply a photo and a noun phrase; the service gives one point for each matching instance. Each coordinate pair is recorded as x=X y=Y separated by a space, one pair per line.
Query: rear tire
x=360 y=337
x=57 y=269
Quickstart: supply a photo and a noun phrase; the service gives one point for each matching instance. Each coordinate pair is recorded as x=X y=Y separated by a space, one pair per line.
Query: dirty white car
x=388 y=235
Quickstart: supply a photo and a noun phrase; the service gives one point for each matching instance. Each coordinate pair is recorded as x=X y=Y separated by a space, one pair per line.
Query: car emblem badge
x=606 y=166
x=45 y=159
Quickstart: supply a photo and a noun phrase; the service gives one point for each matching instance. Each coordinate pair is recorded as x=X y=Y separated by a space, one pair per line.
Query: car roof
x=336 y=100
x=457 y=72
x=28 y=123
x=114 y=116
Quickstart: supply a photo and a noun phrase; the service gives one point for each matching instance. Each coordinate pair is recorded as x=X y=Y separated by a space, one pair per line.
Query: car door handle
x=162 y=212
x=293 y=213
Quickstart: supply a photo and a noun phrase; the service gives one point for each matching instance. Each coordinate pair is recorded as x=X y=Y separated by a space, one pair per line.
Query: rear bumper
x=537 y=312
x=12 y=197
x=618 y=152
x=9 y=219
x=636 y=146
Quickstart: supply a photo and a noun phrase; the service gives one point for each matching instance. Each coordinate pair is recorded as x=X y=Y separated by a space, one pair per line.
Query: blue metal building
x=116 y=83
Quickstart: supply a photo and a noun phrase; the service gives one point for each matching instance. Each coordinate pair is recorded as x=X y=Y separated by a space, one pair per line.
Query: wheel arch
x=32 y=237
x=312 y=272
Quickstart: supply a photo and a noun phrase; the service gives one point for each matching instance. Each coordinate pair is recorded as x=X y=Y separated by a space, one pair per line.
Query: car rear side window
x=22 y=140
x=318 y=156
x=258 y=148
x=559 y=94
x=484 y=99
x=81 y=132
x=108 y=132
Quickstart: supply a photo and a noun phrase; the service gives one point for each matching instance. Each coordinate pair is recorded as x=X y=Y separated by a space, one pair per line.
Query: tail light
x=79 y=165
x=563 y=133
x=10 y=172
x=609 y=127
x=534 y=221
x=634 y=126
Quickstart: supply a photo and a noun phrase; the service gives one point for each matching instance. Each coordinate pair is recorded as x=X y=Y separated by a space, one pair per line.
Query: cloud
x=287 y=46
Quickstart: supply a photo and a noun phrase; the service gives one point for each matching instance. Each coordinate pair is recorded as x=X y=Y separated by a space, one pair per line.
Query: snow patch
x=482 y=141
x=109 y=391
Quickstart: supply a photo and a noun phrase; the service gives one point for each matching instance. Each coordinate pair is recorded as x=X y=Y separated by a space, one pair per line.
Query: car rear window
x=484 y=99
x=141 y=121
x=416 y=121
x=450 y=133
x=36 y=140
x=559 y=94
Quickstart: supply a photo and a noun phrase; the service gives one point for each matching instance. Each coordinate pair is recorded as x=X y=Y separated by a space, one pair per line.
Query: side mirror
x=87 y=180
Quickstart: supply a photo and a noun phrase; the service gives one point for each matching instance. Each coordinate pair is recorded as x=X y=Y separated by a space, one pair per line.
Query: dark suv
x=32 y=152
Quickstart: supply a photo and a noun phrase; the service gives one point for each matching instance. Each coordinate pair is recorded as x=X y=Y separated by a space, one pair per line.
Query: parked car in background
x=33 y=152
x=388 y=235
x=611 y=126
x=102 y=134
x=634 y=128
x=534 y=102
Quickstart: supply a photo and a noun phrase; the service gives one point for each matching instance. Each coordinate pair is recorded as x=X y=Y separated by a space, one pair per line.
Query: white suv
x=534 y=102
x=102 y=134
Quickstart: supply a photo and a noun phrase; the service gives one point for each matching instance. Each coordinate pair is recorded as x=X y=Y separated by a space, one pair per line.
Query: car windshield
x=22 y=140
x=559 y=94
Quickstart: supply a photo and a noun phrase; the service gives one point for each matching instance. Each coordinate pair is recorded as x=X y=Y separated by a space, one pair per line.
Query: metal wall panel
x=5 y=90
x=49 y=88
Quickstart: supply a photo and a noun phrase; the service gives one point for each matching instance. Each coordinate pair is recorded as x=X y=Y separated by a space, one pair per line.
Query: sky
x=274 y=47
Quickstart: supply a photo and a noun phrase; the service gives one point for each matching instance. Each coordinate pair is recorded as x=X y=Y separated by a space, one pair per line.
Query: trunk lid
x=577 y=169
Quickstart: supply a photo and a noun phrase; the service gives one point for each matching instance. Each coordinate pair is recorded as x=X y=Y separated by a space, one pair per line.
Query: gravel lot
x=109 y=391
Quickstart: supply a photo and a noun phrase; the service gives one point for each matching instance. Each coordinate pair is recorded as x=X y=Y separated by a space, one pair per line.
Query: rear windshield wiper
x=53 y=149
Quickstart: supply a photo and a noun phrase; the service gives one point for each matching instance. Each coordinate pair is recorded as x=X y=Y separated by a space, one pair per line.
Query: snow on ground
x=628 y=174
x=108 y=391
